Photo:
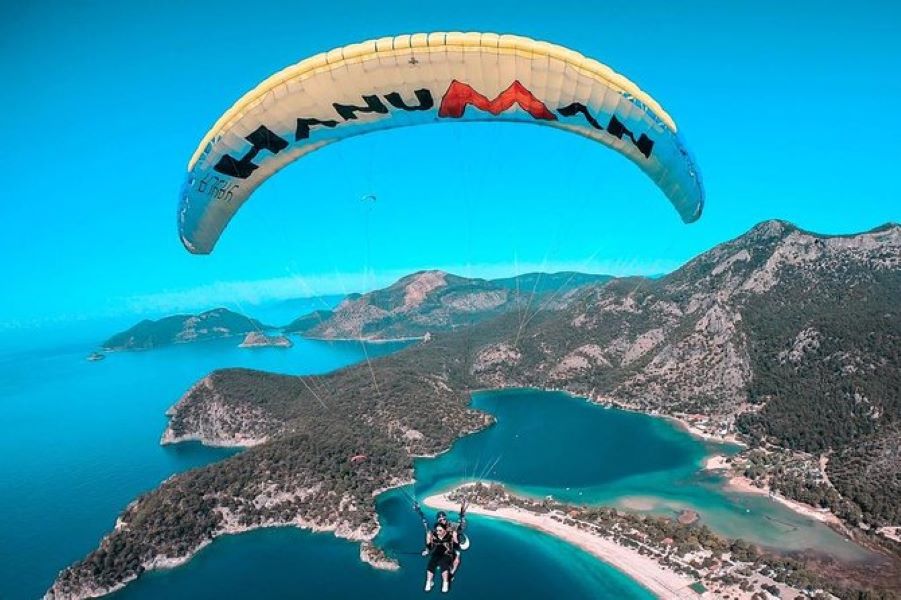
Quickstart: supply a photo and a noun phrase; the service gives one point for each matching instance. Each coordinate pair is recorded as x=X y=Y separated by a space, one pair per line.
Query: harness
x=451 y=548
x=447 y=543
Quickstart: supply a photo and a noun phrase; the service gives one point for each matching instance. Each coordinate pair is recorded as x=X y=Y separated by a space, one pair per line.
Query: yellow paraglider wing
x=417 y=79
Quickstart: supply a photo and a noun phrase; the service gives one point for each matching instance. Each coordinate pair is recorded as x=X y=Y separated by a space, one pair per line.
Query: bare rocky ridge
x=726 y=342
x=685 y=338
x=435 y=301
x=215 y=422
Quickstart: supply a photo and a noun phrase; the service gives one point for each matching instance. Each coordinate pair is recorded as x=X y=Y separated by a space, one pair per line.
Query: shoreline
x=607 y=403
x=369 y=553
x=105 y=350
x=824 y=515
x=660 y=581
x=742 y=485
x=646 y=571
x=698 y=432
x=362 y=340
x=169 y=439
x=164 y=563
x=712 y=462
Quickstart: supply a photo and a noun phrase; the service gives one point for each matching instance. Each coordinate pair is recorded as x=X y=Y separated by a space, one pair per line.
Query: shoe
x=428 y=585
x=445 y=587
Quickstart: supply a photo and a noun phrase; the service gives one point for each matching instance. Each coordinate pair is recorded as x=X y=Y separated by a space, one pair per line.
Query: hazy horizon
x=771 y=104
x=236 y=295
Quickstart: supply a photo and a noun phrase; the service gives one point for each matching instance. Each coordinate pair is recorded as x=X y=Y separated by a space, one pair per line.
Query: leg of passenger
x=430 y=573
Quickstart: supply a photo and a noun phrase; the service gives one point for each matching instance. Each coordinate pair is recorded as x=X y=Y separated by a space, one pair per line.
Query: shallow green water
x=551 y=444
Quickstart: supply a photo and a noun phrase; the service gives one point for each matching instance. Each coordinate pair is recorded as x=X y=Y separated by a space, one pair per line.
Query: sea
x=79 y=440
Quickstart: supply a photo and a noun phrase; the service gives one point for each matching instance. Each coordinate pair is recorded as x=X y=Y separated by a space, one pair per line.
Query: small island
x=182 y=329
x=256 y=339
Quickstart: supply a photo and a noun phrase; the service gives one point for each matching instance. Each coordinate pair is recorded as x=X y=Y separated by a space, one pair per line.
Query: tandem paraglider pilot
x=441 y=549
x=443 y=544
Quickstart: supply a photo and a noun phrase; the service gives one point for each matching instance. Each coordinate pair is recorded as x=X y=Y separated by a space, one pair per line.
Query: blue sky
x=789 y=108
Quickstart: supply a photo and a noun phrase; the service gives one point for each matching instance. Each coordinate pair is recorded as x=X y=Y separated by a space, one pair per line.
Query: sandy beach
x=746 y=486
x=716 y=462
x=662 y=582
x=702 y=434
x=743 y=485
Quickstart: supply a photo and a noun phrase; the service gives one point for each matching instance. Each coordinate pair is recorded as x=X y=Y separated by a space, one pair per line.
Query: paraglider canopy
x=418 y=79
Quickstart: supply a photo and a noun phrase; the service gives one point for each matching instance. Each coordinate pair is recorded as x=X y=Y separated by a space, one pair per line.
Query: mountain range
x=418 y=304
x=787 y=340
x=428 y=302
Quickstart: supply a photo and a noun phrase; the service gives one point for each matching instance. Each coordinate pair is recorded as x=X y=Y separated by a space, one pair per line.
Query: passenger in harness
x=441 y=548
x=444 y=542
